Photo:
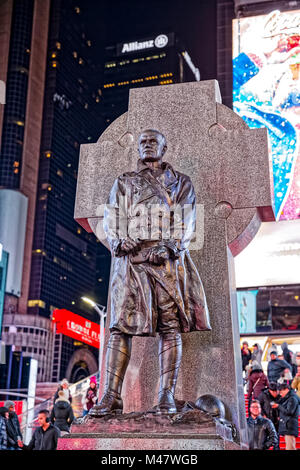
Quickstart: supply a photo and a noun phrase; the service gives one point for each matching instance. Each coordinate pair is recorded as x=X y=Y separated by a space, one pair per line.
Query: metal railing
x=28 y=419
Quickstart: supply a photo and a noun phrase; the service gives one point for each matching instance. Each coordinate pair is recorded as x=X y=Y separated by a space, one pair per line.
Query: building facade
x=49 y=65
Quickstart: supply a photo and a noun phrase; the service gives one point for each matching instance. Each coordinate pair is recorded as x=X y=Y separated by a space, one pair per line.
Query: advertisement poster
x=266 y=93
x=246 y=301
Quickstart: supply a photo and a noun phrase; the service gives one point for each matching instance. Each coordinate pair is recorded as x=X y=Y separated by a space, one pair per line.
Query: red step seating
x=281 y=440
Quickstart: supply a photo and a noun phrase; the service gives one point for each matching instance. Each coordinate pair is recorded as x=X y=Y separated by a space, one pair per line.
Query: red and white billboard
x=77 y=327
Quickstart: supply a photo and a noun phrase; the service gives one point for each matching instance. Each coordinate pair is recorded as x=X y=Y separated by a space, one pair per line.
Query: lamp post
x=100 y=309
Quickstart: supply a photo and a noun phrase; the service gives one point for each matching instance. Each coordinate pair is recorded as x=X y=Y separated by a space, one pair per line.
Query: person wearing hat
x=62 y=415
x=90 y=398
x=266 y=397
x=288 y=408
x=246 y=355
x=257 y=353
x=64 y=386
x=13 y=426
x=258 y=381
x=276 y=367
x=3 y=427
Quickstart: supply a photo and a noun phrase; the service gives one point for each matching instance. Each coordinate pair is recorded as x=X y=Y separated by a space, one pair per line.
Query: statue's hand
x=158 y=255
x=128 y=245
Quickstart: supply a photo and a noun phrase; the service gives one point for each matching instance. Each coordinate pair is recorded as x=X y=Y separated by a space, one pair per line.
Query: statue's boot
x=170 y=352
x=117 y=359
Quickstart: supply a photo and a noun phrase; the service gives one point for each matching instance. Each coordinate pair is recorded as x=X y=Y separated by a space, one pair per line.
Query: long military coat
x=134 y=308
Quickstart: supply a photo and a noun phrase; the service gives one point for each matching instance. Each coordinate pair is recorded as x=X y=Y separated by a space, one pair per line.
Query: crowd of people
x=52 y=424
x=273 y=397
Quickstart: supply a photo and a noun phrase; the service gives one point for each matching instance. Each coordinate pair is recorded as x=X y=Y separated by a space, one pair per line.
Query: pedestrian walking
x=261 y=432
x=258 y=381
x=246 y=355
x=3 y=427
x=266 y=397
x=276 y=367
x=288 y=408
x=13 y=426
x=296 y=382
x=45 y=437
x=90 y=398
x=64 y=386
x=62 y=414
x=257 y=353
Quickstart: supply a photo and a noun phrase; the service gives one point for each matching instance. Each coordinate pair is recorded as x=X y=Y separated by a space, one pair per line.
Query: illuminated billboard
x=266 y=93
x=77 y=327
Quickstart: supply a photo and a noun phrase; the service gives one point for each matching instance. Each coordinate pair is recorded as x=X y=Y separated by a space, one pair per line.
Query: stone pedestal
x=192 y=430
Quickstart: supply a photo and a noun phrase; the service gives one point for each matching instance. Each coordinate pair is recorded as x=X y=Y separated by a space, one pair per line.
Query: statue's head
x=152 y=145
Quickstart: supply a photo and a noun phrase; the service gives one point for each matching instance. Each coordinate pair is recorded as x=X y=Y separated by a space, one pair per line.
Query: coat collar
x=168 y=177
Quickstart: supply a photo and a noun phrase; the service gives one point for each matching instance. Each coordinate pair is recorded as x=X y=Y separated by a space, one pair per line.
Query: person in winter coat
x=90 y=398
x=62 y=414
x=261 y=432
x=288 y=408
x=296 y=382
x=3 y=428
x=45 y=437
x=258 y=381
x=276 y=367
x=64 y=386
x=246 y=355
x=286 y=376
x=268 y=396
x=257 y=353
x=287 y=353
x=13 y=426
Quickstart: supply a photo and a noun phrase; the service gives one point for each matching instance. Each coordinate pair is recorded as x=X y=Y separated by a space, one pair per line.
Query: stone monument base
x=189 y=430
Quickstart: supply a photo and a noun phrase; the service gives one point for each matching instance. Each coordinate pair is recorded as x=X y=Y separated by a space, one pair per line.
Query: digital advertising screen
x=266 y=93
x=246 y=301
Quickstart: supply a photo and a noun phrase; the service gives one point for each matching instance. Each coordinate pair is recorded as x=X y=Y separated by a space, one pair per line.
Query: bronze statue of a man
x=154 y=285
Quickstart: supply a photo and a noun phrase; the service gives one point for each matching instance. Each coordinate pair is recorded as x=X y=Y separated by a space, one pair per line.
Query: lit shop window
x=152 y=77
x=109 y=65
x=36 y=303
x=38 y=251
x=166 y=82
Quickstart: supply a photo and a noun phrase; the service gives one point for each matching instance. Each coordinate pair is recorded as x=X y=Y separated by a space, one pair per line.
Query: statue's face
x=152 y=146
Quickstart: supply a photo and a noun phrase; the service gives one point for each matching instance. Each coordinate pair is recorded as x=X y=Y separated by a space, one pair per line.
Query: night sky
x=124 y=21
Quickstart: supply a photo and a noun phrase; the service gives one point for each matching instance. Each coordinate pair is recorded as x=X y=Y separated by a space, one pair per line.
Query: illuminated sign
x=266 y=93
x=159 y=42
x=77 y=327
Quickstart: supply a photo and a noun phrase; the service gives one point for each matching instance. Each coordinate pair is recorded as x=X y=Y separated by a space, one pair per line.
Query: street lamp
x=100 y=309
